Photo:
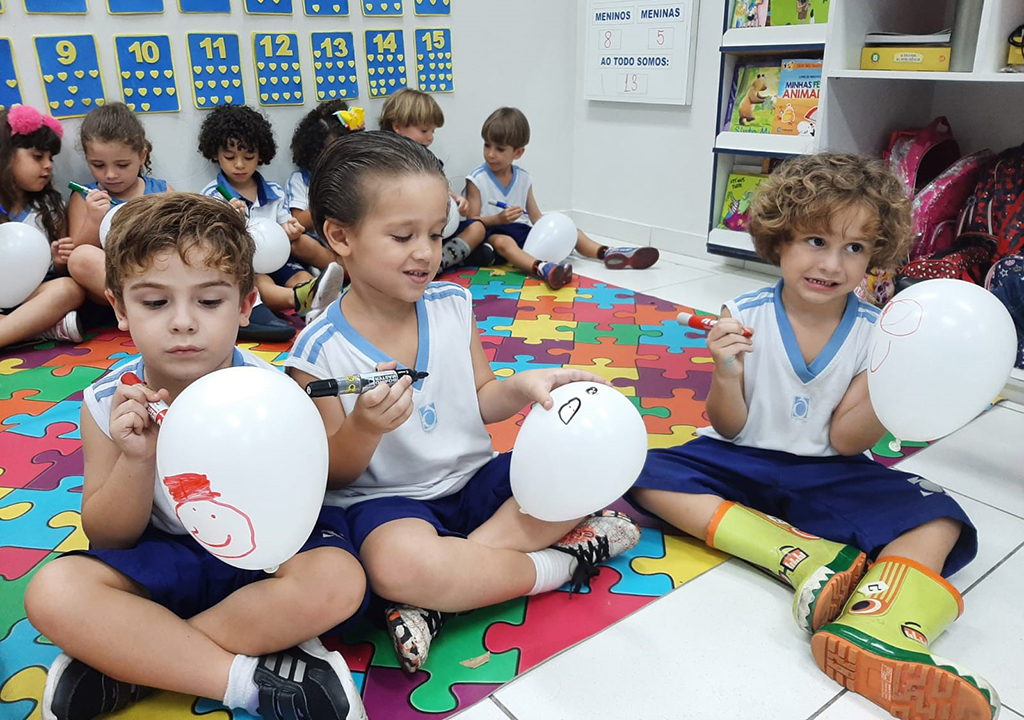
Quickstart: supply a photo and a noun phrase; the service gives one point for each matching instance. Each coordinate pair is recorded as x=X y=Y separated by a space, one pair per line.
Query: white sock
x=554 y=568
x=242 y=692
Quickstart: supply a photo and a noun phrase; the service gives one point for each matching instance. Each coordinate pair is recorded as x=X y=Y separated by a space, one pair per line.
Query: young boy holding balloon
x=506 y=189
x=147 y=607
x=791 y=420
x=37 y=298
x=429 y=501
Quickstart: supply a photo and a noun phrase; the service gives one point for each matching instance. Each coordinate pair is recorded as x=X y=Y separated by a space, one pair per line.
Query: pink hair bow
x=25 y=119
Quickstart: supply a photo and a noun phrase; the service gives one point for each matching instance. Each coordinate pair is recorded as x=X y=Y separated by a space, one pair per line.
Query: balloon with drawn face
x=222 y=529
x=580 y=455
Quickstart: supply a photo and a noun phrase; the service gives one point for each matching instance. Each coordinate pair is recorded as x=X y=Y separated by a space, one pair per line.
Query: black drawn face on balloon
x=569 y=409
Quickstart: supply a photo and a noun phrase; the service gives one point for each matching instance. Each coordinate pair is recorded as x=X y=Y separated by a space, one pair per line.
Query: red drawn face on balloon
x=223 y=529
x=900 y=319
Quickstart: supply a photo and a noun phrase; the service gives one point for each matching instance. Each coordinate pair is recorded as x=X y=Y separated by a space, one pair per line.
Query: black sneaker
x=412 y=629
x=265 y=326
x=482 y=256
x=75 y=691
x=307 y=682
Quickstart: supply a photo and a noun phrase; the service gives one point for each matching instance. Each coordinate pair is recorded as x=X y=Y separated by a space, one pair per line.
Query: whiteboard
x=640 y=51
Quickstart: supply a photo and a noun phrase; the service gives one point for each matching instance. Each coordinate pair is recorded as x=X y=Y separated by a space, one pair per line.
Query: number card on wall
x=434 y=60
x=204 y=6
x=278 y=73
x=268 y=7
x=56 y=7
x=216 y=70
x=145 y=69
x=334 y=66
x=325 y=7
x=70 y=68
x=385 y=61
x=433 y=7
x=382 y=8
x=640 y=51
x=10 y=88
x=134 y=7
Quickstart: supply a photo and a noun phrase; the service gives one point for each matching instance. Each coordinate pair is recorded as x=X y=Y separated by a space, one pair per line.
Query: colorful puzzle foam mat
x=629 y=338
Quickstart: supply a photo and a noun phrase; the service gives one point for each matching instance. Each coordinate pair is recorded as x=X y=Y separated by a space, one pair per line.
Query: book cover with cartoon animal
x=753 y=107
x=749 y=13
x=739 y=191
x=796 y=108
x=798 y=12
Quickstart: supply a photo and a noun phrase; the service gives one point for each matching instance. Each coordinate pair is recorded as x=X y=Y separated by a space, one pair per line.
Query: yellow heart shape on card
x=296 y=79
x=79 y=74
x=48 y=78
x=222 y=68
x=236 y=82
x=146 y=106
x=211 y=84
x=143 y=91
x=12 y=83
x=336 y=8
x=171 y=91
x=352 y=78
x=168 y=74
x=327 y=65
x=73 y=89
x=401 y=58
x=391 y=82
x=154 y=74
x=69 y=103
x=318 y=65
x=201 y=100
x=224 y=83
x=351 y=63
x=140 y=74
x=197 y=70
x=316 y=8
x=344 y=93
x=419 y=66
x=275 y=96
x=286 y=96
x=229 y=99
x=158 y=91
x=87 y=101
x=371 y=70
x=214 y=99
x=209 y=69
x=320 y=94
x=295 y=66
x=198 y=84
x=128 y=92
x=126 y=75
x=261 y=80
x=260 y=65
x=131 y=106
x=235 y=68
x=401 y=68
x=373 y=83
x=100 y=101
x=264 y=96
x=330 y=78
x=63 y=76
x=391 y=58
x=272 y=66
x=273 y=79
x=55 y=105
x=285 y=80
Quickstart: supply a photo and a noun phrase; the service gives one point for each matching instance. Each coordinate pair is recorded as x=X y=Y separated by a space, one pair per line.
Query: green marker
x=84 y=192
x=224 y=193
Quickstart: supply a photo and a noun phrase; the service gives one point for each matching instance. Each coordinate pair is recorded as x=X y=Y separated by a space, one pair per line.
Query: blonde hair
x=410 y=107
x=153 y=224
x=507 y=126
x=805 y=193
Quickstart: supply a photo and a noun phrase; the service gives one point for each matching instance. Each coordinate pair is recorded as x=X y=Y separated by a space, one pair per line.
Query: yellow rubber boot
x=822 y=572
x=878 y=647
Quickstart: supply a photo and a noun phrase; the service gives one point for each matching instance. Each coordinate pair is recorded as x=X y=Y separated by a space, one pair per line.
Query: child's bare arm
x=305 y=217
x=508 y=215
x=531 y=207
x=84 y=217
x=117 y=493
x=726 y=405
x=855 y=427
x=352 y=439
x=501 y=399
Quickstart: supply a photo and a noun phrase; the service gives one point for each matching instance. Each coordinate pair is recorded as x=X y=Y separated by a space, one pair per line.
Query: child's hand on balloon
x=537 y=385
x=385 y=407
x=293 y=229
x=131 y=428
x=239 y=205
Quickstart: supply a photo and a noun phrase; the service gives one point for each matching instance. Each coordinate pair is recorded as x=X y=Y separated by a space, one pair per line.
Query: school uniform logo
x=428 y=417
x=801 y=408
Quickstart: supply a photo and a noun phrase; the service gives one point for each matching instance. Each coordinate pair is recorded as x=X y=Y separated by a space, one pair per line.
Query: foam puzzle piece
x=12 y=599
x=32 y=527
x=631 y=582
x=684 y=559
x=506 y=275
x=65 y=413
x=25 y=643
x=22 y=404
x=495 y=288
x=37 y=355
x=606 y=296
x=535 y=332
x=673 y=336
x=496 y=307
x=557 y=620
x=388 y=691
x=536 y=292
x=522 y=363
x=496 y=326
x=262 y=351
x=623 y=333
x=20 y=454
x=16 y=561
x=60 y=466
x=543 y=352
x=623 y=356
x=677 y=435
x=51 y=387
x=102 y=352
x=21 y=694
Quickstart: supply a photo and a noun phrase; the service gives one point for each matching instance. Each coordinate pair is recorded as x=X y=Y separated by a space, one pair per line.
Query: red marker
x=157 y=408
x=702 y=322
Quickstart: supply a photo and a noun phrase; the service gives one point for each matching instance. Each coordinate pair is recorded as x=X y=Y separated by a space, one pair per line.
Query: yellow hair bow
x=354 y=119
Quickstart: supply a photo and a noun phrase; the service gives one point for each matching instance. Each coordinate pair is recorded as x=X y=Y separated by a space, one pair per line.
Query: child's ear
x=518 y=153
x=337 y=236
x=246 y=307
x=122 y=316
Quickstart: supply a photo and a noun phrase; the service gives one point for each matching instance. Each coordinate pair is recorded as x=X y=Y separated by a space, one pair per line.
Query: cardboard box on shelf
x=920 y=57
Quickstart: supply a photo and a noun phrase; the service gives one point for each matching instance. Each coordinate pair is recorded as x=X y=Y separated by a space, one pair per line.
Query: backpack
x=991 y=226
x=918 y=155
x=937 y=207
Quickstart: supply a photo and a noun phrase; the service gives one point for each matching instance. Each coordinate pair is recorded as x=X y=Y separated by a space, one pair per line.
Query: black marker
x=357 y=384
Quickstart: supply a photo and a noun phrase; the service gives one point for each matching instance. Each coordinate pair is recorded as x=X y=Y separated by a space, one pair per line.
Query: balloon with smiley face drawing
x=242 y=458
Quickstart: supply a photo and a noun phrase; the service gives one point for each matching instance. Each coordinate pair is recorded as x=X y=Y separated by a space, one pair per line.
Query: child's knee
x=332 y=581
x=85 y=261
x=403 y=567
x=66 y=292
x=54 y=587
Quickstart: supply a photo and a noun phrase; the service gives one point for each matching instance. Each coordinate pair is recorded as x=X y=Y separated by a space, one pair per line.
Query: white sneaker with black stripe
x=307 y=682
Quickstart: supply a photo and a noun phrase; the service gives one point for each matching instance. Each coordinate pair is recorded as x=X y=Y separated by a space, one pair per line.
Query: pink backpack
x=938 y=205
x=918 y=155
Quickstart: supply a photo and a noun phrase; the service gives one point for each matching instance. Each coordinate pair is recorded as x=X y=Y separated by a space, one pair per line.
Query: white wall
x=643 y=172
x=519 y=54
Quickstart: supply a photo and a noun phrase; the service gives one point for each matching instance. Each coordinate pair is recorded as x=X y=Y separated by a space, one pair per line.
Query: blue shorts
x=455 y=515
x=517 y=231
x=186 y=579
x=847 y=499
x=287 y=271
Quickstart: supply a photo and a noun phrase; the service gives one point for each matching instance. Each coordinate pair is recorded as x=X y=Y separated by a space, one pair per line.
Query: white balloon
x=24 y=260
x=552 y=238
x=940 y=353
x=242 y=458
x=105 y=223
x=272 y=245
x=453 y=219
x=579 y=456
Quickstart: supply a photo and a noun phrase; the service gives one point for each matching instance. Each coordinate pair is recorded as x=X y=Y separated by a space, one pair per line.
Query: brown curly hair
x=152 y=224
x=805 y=193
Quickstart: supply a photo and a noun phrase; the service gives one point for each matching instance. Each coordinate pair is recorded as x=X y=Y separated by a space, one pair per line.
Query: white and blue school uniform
x=782 y=462
x=439 y=465
x=514 y=194
x=298 y=198
x=270 y=204
x=176 y=571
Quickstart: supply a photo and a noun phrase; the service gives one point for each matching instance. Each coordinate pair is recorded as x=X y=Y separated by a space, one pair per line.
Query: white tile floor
x=725 y=645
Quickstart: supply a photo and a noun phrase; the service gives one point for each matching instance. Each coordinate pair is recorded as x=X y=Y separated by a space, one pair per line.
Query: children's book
x=798 y=12
x=739 y=192
x=796 y=109
x=753 y=104
x=749 y=13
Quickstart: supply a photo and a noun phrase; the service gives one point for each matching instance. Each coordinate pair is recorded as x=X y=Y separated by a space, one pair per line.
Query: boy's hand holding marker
x=385 y=407
x=728 y=339
x=135 y=416
x=509 y=213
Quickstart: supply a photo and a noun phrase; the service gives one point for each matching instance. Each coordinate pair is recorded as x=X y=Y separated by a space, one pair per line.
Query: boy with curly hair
x=791 y=420
x=240 y=139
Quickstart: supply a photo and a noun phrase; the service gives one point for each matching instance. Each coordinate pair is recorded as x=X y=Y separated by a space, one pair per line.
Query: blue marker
x=499 y=203
x=3 y=210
